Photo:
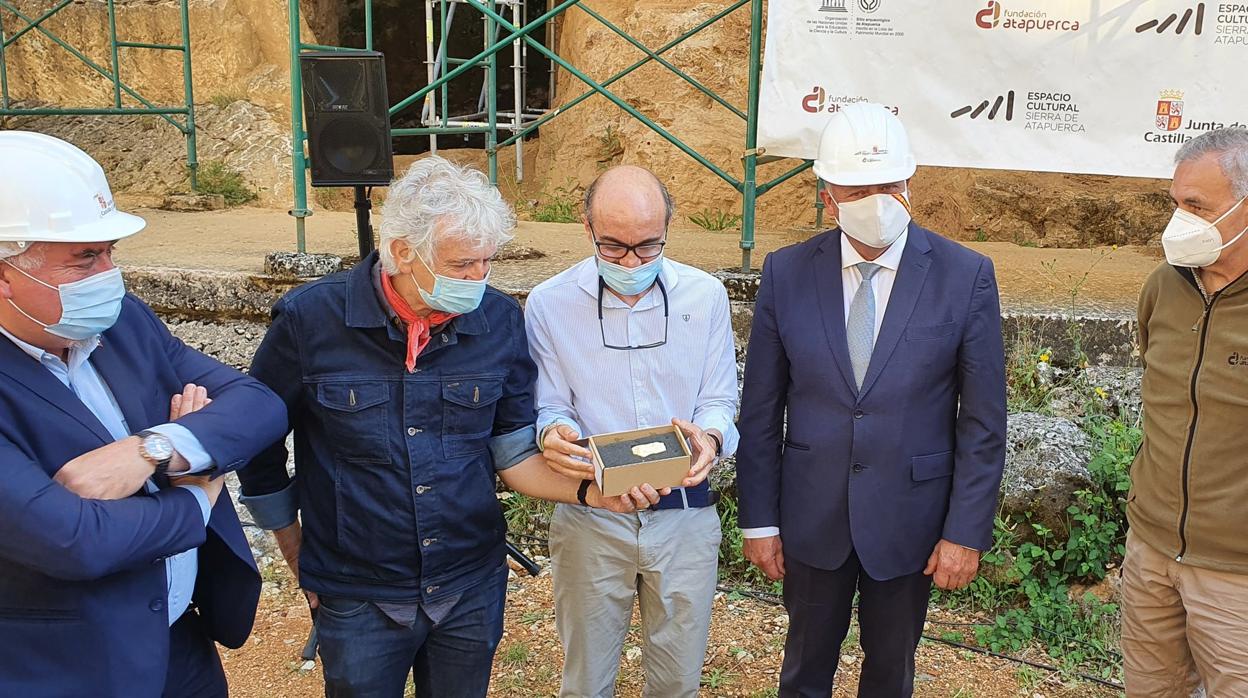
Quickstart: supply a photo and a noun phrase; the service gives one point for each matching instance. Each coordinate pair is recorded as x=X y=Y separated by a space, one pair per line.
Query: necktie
x=860 y=327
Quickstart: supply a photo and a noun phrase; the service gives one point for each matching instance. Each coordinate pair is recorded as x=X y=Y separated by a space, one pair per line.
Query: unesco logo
x=1161 y=25
x=975 y=112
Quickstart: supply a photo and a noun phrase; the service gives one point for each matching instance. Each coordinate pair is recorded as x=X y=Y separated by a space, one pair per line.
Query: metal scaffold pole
x=749 y=194
x=299 y=164
x=120 y=90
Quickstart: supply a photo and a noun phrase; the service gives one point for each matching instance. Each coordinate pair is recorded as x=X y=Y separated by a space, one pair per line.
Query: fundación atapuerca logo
x=995 y=15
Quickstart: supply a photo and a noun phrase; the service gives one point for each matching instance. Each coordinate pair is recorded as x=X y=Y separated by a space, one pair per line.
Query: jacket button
x=445 y=339
x=421 y=489
x=428 y=542
x=157 y=605
x=412 y=431
x=858 y=414
x=857 y=467
x=430 y=590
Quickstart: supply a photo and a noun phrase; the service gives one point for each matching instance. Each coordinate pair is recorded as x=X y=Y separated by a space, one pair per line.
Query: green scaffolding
x=112 y=73
x=503 y=33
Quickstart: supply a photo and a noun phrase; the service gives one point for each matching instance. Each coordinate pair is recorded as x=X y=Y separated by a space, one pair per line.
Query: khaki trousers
x=668 y=559
x=1181 y=625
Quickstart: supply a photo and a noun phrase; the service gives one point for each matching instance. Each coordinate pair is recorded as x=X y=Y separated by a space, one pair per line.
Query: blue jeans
x=365 y=654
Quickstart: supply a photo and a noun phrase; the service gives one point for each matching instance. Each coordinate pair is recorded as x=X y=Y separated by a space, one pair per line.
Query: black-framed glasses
x=646 y=251
x=602 y=287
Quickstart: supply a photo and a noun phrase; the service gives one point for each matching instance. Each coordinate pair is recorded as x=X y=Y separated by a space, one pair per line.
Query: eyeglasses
x=614 y=250
x=602 y=287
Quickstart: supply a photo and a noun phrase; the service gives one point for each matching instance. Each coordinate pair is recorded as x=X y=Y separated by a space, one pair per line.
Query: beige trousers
x=668 y=560
x=1181 y=625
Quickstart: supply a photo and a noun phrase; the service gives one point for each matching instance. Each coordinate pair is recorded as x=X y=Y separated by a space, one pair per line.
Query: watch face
x=158 y=446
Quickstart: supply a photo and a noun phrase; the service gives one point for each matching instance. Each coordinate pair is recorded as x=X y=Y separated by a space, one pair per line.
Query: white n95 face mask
x=1192 y=241
x=877 y=220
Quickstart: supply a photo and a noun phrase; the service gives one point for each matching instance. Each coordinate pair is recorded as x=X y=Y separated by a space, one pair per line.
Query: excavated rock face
x=239 y=47
x=240 y=50
x=145 y=155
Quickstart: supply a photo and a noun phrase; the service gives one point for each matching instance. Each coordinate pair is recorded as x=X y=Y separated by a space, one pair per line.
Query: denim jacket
x=395 y=471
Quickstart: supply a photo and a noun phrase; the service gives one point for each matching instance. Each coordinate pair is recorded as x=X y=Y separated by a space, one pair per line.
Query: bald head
x=630 y=196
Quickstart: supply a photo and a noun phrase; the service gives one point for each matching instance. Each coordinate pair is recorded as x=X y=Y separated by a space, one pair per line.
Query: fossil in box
x=623 y=460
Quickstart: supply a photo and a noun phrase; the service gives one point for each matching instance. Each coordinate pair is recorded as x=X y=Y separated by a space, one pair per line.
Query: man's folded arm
x=45 y=527
x=244 y=417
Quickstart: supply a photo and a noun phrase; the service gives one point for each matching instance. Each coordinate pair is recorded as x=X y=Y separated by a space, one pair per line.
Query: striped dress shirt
x=595 y=390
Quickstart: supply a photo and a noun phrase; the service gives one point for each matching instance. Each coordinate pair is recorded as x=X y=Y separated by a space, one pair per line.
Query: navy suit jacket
x=917 y=454
x=82 y=584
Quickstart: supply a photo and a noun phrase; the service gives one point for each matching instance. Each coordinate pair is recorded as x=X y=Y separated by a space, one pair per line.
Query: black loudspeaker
x=348 y=119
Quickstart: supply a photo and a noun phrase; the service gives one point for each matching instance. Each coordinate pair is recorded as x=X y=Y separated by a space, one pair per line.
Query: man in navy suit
x=881 y=342
x=122 y=558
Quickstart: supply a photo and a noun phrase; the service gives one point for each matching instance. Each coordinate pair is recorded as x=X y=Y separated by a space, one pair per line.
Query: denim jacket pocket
x=354 y=415
x=468 y=413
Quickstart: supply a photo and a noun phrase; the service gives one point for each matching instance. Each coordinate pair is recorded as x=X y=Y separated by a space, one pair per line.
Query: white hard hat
x=864 y=143
x=51 y=191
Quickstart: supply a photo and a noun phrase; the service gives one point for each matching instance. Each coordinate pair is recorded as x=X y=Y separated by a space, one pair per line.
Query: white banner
x=1087 y=86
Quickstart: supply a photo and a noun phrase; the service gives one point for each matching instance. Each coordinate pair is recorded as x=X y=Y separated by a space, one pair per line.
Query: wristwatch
x=582 y=491
x=156 y=449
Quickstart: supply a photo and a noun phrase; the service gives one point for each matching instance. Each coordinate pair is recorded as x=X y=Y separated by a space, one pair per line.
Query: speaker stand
x=363 y=227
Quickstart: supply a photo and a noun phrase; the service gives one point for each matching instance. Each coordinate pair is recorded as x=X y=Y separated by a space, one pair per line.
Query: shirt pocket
x=468 y=413
x=353 y=418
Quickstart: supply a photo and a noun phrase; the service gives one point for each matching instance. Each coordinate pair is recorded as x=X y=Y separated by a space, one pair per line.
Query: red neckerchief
x=417 y=325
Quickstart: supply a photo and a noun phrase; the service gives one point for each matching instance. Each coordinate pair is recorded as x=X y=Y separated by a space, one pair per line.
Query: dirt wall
x=240 y=50
x=1047 y=210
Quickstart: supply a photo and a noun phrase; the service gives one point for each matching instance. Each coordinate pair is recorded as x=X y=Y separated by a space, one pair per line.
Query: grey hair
x=438 y=197
x=1230 y=145
x=23 y=255
x=669 y=207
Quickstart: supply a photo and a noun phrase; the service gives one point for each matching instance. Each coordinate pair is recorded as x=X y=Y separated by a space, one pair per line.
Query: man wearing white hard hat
x=122 y=557
x=880 y=341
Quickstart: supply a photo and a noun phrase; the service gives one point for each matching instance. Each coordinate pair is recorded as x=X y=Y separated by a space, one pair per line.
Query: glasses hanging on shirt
x=602 y=287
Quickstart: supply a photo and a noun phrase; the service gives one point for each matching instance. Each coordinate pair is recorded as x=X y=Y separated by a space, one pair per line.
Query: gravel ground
x=743 y=659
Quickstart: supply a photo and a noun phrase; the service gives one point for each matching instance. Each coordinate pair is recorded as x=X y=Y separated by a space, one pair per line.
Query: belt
x=688 y=499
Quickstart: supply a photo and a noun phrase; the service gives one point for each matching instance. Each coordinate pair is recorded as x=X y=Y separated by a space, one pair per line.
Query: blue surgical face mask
x=88 y=307
x=630 y=282
x=449 y=295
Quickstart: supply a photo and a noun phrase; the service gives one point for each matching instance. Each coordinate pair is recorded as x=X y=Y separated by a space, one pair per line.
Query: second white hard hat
x=51 y=191
x=864 y=143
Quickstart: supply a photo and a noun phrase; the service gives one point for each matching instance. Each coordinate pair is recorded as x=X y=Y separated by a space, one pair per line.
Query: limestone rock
x=186 y=203
x=1045 y=464
x=301 y=265
x=232 y=344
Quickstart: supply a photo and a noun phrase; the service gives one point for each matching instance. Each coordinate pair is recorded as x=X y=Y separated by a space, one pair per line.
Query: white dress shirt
x=851 y=279
x=596 y=390
x=86 y=383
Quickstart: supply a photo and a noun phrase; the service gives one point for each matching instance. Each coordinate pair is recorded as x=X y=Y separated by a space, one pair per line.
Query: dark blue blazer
x=82 y=582
x=917 y=454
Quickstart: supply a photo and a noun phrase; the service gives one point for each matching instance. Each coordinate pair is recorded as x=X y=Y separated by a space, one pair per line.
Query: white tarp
x=1089 y=86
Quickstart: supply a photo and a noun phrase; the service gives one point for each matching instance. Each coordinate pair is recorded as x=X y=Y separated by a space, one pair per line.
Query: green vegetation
x=215 y=178
x=715 y=220
x=225 y=99
x=561 y=205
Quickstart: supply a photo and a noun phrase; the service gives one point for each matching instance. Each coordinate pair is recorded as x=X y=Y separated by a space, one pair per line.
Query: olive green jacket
x=1189 y=494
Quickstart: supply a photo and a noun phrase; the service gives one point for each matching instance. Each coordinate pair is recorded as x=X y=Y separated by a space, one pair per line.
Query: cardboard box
x=626 y=459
